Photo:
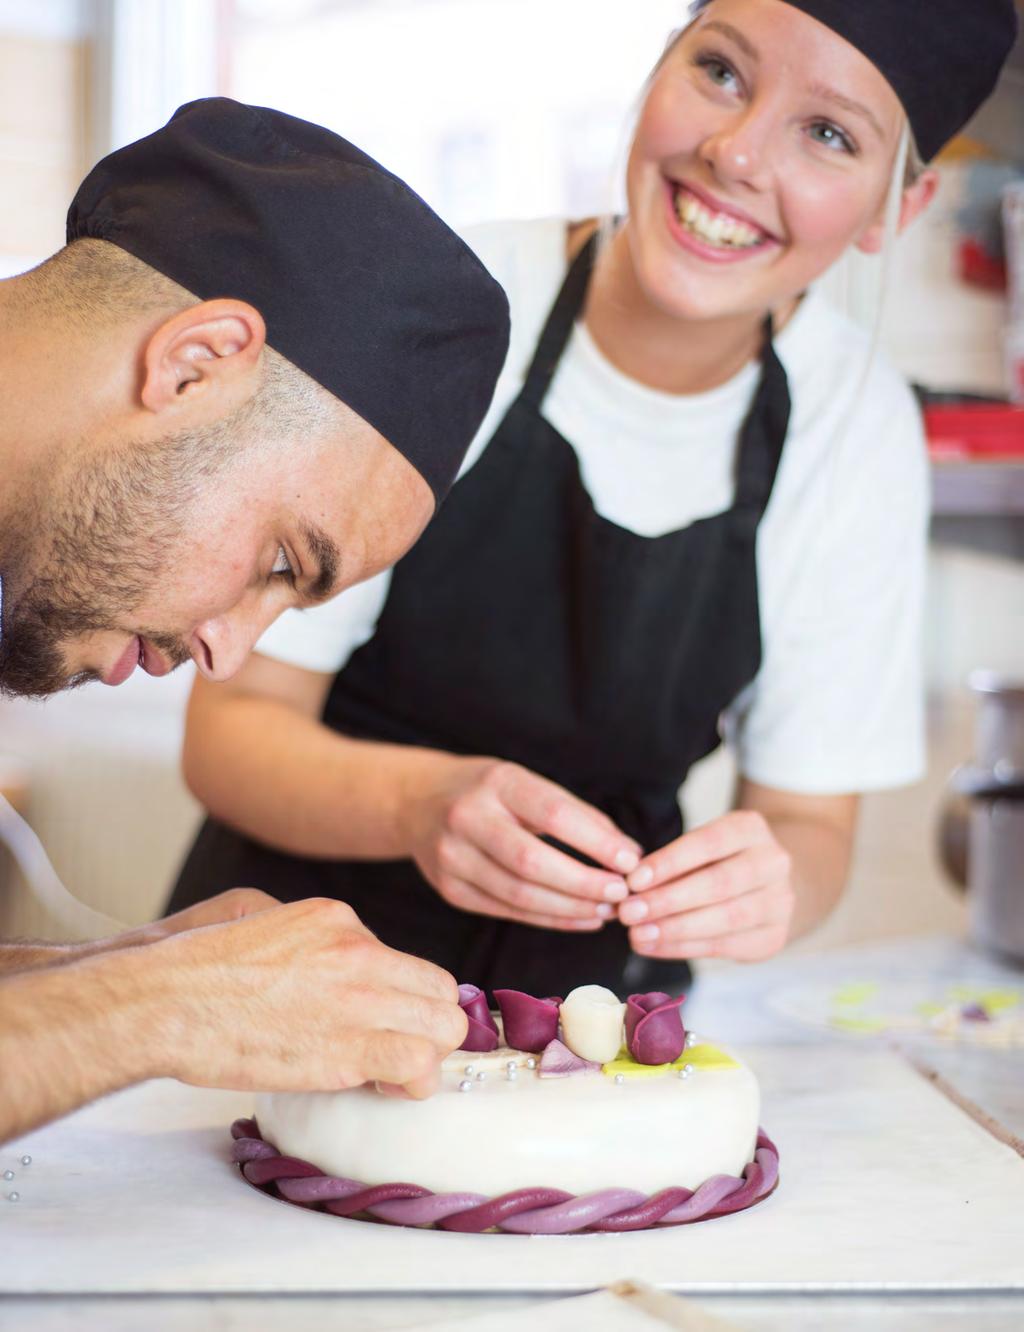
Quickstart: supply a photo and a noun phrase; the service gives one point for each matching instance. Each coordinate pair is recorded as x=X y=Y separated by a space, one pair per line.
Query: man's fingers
x=716 y=840
x=470 y=865
x=554 y=812
x=393 y=1057
x=383 y=1008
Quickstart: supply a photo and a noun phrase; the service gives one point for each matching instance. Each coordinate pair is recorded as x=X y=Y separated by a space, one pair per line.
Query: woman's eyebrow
x=727 y=30
x=327 y=557
x=828 y=94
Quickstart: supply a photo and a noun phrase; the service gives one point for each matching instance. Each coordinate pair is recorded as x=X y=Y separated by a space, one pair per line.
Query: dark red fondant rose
x=529 y=1023
x=482 y=1036
x=654 y=1027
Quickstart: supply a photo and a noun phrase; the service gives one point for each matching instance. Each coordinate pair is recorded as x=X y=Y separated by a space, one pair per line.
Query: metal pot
x=982 y=831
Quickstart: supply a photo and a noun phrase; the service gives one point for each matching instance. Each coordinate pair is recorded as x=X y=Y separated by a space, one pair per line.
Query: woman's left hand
x=723 y=890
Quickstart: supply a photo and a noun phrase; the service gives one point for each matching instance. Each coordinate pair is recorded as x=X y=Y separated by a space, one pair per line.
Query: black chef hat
x=942 y=57
x=361 y=285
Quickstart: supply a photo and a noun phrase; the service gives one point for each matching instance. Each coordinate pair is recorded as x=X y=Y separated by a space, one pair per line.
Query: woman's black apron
x=526 y=626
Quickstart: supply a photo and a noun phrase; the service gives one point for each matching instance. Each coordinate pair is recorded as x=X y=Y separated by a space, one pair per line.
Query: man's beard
x=32 y=663
x=88 y=553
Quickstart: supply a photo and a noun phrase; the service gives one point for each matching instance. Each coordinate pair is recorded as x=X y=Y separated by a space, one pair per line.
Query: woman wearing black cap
x=698 y=502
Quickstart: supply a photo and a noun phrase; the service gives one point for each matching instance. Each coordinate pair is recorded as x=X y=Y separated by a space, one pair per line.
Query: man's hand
x=723 y=890
x=476 y=834
x=299 y=997
x=232 y=905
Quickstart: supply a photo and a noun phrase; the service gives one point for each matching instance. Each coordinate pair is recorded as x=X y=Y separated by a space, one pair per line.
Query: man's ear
x=209 y=351
x=916 y=199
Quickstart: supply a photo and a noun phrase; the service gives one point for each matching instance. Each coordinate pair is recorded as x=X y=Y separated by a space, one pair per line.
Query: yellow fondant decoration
x=863 y=1026
x=849 y=996
x=704 y=1056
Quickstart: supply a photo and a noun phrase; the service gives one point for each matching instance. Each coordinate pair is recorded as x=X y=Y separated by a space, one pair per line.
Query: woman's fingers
x=470 y=898
x=552 y=811
x=525 y=856
x=718 y=883
x=715 y=841
x=748 y=946
x=468 y=864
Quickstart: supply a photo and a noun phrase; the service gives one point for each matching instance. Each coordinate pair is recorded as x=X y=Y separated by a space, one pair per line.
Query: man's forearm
x=69 y=1034
x=293 y=783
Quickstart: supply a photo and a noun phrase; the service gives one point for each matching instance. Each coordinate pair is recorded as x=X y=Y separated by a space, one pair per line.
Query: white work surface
x=884 y=1185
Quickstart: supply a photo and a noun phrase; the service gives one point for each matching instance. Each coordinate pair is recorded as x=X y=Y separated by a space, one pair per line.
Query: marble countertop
x=739 y=1005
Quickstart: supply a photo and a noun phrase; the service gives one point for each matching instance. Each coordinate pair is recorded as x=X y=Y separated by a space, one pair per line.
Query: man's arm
x=68 y=1035
x=29 y=955
x=299 y=997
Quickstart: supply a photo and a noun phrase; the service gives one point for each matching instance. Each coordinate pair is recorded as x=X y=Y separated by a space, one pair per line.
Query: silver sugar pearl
x=465 y=1085
x=469 y=1070
x=684 y=1072
x=531 y=1062
x=688 y=1069
x=620 y=1078
x=26 y=1160
x=8 y=1174
x=510 y=1074
x=13 y=1197
x=691 y=1040
x=510 y=1063
x=480 y=1076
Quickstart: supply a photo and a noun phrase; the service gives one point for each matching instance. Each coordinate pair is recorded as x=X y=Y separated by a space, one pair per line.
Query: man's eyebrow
x=828 y=94
x=327 y=557
x=727 y=30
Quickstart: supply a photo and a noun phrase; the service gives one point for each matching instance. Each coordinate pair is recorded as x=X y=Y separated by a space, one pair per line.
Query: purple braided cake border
x=535 y=1211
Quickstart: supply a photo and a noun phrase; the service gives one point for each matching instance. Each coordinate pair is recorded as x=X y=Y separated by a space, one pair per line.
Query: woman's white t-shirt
x=837 y=705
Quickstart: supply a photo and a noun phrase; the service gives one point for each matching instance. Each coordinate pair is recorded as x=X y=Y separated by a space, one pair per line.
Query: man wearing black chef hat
x=245 y=384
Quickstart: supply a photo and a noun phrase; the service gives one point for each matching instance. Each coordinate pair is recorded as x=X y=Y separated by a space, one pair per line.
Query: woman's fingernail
x=626 y=861
x=643 y=878
x=616 y=891
x=605 y=910
x=646 y=934
x=634 y=911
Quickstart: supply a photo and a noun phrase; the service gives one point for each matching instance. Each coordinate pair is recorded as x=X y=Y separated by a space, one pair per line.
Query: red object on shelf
x=975 y=432
x=978 y=268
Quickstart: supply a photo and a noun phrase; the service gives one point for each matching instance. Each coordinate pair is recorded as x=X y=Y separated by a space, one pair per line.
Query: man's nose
x=220 y=646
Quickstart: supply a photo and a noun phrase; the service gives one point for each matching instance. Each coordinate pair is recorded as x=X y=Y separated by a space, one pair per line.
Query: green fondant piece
x=864 y=1026
x=998 y=1001
x=859 y=992
x=704 y=1056
x=929 y=1010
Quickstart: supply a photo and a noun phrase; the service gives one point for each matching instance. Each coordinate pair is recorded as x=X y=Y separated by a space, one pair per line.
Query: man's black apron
x=526 y=626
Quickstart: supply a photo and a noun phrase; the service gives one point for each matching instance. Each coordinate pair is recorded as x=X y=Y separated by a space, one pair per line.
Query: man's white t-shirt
x=837 y=705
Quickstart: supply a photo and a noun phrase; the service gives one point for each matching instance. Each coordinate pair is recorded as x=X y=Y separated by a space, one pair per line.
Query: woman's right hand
x=474 y=826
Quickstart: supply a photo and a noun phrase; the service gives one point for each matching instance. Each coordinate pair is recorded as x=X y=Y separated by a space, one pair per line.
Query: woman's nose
x=738 y=151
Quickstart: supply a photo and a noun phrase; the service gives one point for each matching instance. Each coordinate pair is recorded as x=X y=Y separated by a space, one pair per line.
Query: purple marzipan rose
x=654 y=1027
x=482 y=1036
x=529 y=1023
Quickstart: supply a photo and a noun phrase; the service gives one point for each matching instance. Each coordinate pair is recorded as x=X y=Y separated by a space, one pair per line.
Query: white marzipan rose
x=592 y=1019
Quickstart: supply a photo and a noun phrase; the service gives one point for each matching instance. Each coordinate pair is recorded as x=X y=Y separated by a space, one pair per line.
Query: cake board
x=885 y=1185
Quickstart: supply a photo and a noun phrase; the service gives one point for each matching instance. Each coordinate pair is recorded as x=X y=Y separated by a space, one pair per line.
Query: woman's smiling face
x=764 y=149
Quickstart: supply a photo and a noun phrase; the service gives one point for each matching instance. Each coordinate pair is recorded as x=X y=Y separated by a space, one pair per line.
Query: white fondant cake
x=643 y=1128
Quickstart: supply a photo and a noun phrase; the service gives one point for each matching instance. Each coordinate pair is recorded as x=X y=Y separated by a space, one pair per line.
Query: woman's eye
x=282 y=565
x=718 y=71
x=832 y=137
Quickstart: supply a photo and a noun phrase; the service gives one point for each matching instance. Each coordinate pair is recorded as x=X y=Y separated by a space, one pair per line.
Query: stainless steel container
x=993 y=787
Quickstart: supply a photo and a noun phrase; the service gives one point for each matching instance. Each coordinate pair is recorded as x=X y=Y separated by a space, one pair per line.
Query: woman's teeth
x=727 y=233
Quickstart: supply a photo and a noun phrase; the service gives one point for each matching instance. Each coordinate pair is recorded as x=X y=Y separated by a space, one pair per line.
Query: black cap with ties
x=942 y=57
x=361 y=285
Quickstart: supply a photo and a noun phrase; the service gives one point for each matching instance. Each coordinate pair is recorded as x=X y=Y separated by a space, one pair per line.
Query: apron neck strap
x=559 y=325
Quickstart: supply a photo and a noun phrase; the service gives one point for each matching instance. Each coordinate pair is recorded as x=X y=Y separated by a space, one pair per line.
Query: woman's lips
x=125 y=664
x=716 y=254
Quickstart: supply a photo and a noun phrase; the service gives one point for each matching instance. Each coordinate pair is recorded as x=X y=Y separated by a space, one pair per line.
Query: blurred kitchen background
x=497 y=108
